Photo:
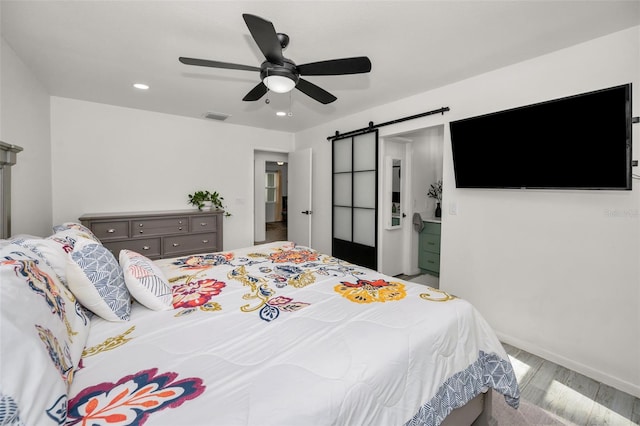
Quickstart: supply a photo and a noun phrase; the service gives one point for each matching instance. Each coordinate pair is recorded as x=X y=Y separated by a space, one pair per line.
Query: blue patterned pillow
x=96 y=279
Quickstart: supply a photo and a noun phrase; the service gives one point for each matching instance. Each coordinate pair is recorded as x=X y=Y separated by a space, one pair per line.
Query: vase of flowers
x=435 y=192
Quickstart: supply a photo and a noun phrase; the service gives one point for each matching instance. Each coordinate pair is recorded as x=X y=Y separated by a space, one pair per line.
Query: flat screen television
x=577 y=142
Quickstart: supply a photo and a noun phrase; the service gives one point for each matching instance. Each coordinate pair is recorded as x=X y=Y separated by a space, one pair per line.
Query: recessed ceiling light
x=141 y=86
x=281 y=113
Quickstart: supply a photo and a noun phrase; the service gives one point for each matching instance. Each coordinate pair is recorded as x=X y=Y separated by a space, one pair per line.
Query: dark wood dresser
x=158 y=235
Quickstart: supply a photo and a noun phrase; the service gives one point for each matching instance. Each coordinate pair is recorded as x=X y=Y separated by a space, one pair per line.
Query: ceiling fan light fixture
x=279 y=74
x=279 y=83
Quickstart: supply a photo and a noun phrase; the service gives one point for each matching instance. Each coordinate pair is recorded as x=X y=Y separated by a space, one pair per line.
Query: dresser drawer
x=204 y=223
x=111 y=230
x=429 y=262
x=200 y=243
x=430 y=243
x=147 y=227
x=431 y=228
x=149 y=247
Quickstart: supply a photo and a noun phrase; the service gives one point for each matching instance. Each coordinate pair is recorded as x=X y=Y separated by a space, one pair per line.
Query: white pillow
x=96 y=279
x=145 y=281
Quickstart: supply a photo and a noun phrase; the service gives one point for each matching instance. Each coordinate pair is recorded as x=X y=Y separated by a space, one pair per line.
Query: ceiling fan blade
x=256 y=93
x=357 y=65
x=217 y=64
x=315 y=92
x=265 y=36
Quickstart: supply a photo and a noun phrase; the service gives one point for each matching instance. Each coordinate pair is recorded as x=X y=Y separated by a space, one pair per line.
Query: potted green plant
x=435 y=192
x=208 y=200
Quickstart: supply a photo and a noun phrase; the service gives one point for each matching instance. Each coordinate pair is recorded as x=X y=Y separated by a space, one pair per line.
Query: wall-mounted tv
x=577 y=142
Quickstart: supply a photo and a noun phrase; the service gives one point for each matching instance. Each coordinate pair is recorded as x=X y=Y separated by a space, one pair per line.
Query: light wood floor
x=571 y=396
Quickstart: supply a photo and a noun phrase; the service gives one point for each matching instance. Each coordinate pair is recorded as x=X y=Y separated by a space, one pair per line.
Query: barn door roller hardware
x=372 y=126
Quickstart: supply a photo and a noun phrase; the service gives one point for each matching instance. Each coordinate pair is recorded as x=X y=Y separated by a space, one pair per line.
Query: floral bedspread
x=279 y=334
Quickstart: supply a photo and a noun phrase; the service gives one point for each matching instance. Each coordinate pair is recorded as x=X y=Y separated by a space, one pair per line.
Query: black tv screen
x=577 y=142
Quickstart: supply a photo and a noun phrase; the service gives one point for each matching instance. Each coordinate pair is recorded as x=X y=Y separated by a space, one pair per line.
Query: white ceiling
x=96 y=50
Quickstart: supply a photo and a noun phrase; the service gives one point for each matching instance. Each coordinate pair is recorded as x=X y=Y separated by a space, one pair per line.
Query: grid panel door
x=355 y=199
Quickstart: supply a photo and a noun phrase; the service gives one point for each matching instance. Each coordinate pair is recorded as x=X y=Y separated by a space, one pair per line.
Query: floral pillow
x=54 y=250
x=75 y=226
x=44 y=331
x=145 y=281
x=96 y=279
x=67 y=238
x=51 y=251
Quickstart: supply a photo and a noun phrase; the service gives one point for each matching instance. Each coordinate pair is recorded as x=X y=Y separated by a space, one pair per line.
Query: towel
x=417 y=222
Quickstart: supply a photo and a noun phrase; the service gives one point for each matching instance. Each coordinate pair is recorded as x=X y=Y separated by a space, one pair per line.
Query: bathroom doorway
x=420 y=154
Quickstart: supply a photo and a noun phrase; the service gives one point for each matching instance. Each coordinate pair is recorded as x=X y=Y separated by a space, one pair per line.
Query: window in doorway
x=271 y=187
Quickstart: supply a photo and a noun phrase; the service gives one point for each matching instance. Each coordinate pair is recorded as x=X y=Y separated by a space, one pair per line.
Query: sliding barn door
x=355 y=199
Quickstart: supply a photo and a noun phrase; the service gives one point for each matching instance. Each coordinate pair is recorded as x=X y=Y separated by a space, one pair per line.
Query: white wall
x=554 y=272
x=111 y=159
x=24 y=121
x=428 y=152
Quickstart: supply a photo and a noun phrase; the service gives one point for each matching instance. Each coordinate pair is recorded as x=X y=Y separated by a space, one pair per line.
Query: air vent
x=216 y=116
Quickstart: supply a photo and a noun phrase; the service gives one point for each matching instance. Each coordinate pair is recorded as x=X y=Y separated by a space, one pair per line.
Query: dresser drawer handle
x=205 y=241
x=141 y=225
x=111 y=231
x=146 y=248
x=180 y=228
x=176 y=244
x=141 y=231
x=179 y=222
x=203 y=223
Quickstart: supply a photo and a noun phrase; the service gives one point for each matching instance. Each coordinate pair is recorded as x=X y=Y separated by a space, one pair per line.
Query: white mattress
x=287 y=336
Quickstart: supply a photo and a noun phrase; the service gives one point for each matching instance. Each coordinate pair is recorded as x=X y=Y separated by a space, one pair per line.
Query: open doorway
x=270 y=209
x=276 y=205
x=408 y=249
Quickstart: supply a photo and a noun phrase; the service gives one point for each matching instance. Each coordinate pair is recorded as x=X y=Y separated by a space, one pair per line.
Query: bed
x=275 y=334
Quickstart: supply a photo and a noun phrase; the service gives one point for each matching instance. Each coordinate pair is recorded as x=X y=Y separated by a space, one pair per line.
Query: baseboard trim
x=592 y=373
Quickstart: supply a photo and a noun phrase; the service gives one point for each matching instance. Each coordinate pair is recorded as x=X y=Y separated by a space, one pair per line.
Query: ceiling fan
x=280 y=74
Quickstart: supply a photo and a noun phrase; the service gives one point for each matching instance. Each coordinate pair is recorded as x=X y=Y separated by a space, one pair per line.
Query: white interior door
x=299 y=209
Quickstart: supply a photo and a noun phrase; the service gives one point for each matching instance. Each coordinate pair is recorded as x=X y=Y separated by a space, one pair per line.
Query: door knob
x=306 y=212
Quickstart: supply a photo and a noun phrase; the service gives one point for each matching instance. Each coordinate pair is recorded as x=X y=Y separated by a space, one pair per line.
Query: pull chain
x=267 y=101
